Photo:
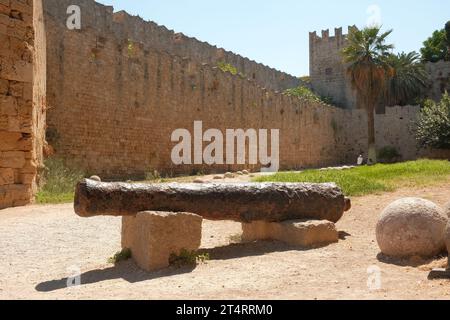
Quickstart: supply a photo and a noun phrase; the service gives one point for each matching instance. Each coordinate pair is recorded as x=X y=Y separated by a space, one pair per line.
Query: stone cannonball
x=447 y=235
x=412 y=227
x=447 y=210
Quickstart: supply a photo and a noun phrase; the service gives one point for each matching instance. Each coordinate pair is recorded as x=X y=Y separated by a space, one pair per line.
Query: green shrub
x=120 y=256
x=187 y=258
x=388 y=154
x=433 y=125
x=226 y=67
x=306 y=79
x=306 y=93
x=435 y=48
x=153 y=175
x=58 y=181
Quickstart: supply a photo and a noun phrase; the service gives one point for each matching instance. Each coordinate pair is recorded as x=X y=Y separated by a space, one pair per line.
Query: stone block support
x=304 y=233
x=153 y=236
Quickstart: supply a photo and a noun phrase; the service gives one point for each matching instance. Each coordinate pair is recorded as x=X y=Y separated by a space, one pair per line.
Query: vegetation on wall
x=306 y=79
x=306 y=93
x=227 y=67
x=433 y=125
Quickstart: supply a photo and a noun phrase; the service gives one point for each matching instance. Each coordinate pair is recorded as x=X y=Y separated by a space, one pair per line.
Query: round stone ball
x=447 y=240
x=96 y=178
x=412 y=227
x=447 y=210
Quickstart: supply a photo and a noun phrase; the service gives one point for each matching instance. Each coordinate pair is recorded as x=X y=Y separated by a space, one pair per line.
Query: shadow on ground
x=129 y=271
x=257 y=248
x=125 y=270
x=414 y=262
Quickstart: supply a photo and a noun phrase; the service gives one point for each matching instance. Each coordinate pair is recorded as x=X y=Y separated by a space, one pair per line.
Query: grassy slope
x=61 y=181
x=373 y=179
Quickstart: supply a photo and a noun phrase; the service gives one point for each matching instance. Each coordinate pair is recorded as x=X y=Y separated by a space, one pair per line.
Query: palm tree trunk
x=372 y=154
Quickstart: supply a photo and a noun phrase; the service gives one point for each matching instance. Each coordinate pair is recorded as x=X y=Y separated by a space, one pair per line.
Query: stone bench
x=153 y=237
x=156 y=225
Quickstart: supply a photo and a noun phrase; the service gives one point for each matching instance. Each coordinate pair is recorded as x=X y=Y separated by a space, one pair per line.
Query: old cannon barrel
x=241 y=202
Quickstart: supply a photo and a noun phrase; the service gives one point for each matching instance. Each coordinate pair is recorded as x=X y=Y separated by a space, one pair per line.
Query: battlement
x=327 y=70
x=125 y=27
x=325 y=34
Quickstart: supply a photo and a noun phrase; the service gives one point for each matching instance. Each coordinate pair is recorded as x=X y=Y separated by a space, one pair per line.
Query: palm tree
x=408 y=81
x=366 y=55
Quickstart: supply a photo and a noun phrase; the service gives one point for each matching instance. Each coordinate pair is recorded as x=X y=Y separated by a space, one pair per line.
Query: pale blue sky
x=275 y=32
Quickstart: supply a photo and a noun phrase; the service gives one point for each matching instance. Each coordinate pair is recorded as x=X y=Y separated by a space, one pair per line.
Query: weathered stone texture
x=327 y=69
x=412 y=227
x=305 y=233
x=242 y=202
x=439 y=74
x=105 y=22
x=154 y=236
x=118 y=121
x=19 y=103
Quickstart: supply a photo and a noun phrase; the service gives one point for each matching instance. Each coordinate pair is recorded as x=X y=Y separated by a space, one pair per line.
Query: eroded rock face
x=154 y=236
x=412 y=227
x=304 y=233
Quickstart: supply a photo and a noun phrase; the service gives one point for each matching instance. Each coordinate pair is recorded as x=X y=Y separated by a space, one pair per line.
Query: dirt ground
x=41 y=246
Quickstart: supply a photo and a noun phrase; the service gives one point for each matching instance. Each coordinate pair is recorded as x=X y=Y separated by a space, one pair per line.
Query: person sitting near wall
x=360 y=160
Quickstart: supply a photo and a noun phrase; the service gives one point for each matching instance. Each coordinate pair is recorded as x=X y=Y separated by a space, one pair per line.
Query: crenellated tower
x=327 y=69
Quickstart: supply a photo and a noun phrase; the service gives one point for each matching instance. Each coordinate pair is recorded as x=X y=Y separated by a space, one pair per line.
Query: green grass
x=120 y=256
x=59 y=182
x=373 y=179
x=188 y=258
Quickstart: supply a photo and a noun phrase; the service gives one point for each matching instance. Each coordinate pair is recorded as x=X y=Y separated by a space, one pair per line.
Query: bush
x=388 y=154
x=120 y=256
x=226 y=67
x=433 y=125
x=306 y=93
x=187 y=258
x=435 y=48
x=58 y=181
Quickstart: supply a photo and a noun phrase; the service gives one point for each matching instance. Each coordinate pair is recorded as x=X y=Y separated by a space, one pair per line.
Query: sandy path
x=40 y=245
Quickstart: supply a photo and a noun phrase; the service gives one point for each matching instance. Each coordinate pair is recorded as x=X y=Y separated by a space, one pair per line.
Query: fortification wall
x=439 y=74
x=21 y=101
x=327 y=69
x=114 y=104
x=124 y=26
x=329 y=77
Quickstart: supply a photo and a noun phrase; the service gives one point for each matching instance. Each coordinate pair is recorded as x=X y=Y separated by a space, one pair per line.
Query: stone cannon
x=244 y=202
